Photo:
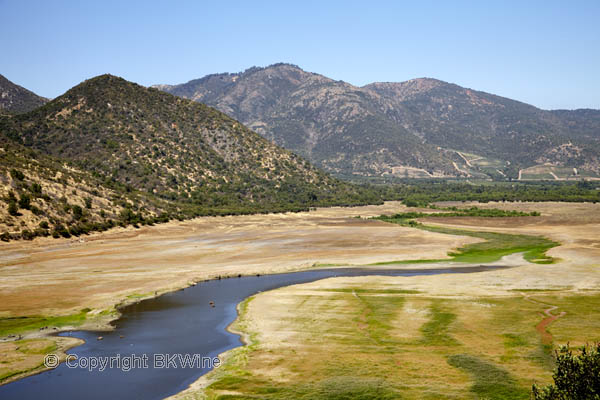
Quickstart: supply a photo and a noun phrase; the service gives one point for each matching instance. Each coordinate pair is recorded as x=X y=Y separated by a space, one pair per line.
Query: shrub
x=13 y=209
x=27 y=234
x=77 y=212
x=16 y=174
x=575 y=376
x=60 y=230
x=11 y=197
x=410 y=203
x=25 y=201
x=41 y=232
x=36 y=210
x=75 y=230
x=36 y=189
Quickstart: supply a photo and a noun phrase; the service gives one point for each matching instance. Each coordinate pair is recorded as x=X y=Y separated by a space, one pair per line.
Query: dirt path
x=556 y=178
x=460 y=170
x=548 y=318
x=541 y=327
x=464 y=158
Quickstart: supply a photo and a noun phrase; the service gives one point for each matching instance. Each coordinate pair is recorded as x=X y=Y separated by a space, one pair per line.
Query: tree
x=575 y=376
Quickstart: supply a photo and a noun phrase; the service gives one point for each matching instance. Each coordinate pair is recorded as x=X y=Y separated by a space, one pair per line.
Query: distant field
x=481 y=167
x=550 y=172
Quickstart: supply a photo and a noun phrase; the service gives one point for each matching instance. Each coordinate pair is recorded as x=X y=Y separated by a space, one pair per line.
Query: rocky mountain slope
x=423 y=127
x=112 y=152
x=16 y=99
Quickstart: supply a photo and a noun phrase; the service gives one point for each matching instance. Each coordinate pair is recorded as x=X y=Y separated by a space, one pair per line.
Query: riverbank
x=50 y=283
x=442 y=336
x=128 y=266
x=394 y=337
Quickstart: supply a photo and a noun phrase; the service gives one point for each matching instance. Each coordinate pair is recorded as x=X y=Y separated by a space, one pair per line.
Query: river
x=163 y=331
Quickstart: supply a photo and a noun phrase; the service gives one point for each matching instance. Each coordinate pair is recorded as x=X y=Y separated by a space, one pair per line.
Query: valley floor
x=63 y=284
x=483 y=335
x=446 y=335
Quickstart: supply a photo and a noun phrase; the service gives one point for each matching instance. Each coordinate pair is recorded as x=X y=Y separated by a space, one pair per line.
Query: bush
x=16 y=174
x=13 y=209
x=575 y=376
x=11 y=197
x=25 y=201
x=410 y=203
x=41 y=232
x=27 y=234
x=36 y=210
x=44 y=224
x=75 y=230
x=77 y=212
x=60 y=230
x=5 y=237
x=36 y=189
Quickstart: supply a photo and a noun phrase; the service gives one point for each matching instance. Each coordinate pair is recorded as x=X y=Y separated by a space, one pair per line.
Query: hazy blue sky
x=546 y=53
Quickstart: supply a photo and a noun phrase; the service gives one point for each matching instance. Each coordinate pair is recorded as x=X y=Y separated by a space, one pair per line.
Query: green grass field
x=17 y=325
x=379 y=344
x=495 y=246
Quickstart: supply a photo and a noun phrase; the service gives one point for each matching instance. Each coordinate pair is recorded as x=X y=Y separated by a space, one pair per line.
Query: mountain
x=422 y=127
x=113 y=150
x=332 y=123
x=16 y=99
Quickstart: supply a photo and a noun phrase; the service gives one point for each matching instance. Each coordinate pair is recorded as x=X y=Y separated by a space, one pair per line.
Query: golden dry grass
x=339 y=331
x=51 y=277
x=306 y=335
x=461 y=336
x=60 y=276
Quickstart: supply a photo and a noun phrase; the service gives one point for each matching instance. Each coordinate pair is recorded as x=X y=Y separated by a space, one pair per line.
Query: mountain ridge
x=141 y=155
x=395 y=127
x=17 y=99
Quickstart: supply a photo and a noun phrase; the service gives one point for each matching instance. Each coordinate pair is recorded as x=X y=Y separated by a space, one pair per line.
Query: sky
x=545 y=53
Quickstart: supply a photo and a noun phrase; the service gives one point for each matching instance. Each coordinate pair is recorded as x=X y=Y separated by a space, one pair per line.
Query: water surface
x=182 y=322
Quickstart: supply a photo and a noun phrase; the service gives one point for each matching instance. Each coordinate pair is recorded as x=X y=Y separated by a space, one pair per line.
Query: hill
x=16 y=99
x=112 y=152
x=419 y=128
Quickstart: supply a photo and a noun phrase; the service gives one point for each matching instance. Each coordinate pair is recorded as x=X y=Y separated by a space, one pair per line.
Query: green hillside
x=140 y=155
